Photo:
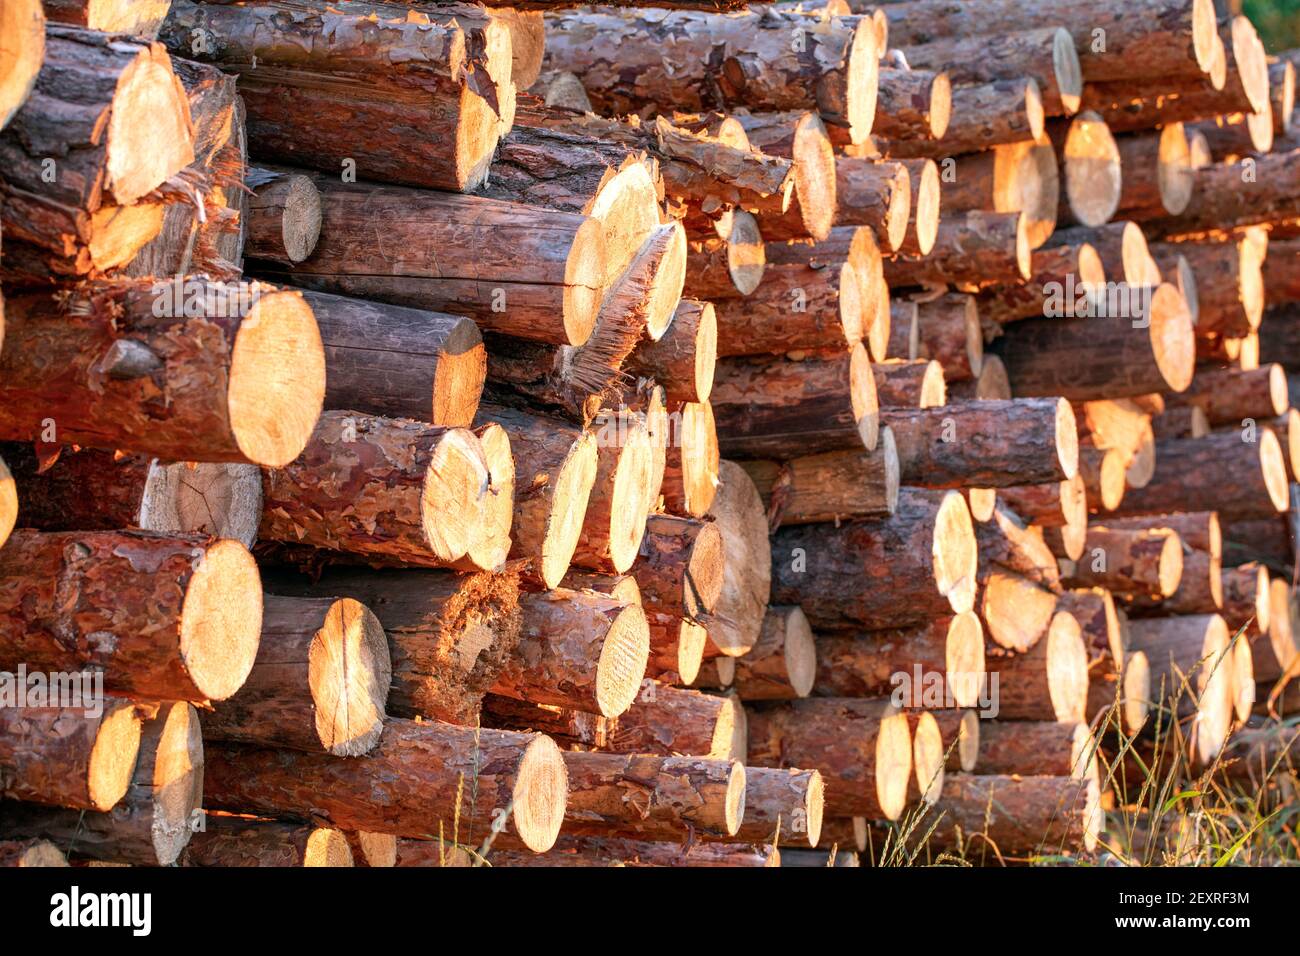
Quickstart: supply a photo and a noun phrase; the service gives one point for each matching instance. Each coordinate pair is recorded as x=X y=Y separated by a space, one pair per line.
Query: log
x=620 y=497
x=992 y=382
x=721 y=61
x=1221 y=472
x=185 y=370
x=238 y=841
x=154 y=821
x=830 y=486
x=690 y=476
x=928 y=758
x=1027 y=748
x=683 y=361
x=1246 y=598
x=454 y=80
x=937 y=664
x=385 y=488
x=170 y=617
x=30 y=853
x=1158 y=354
x=1227 y=278
x=825 y=404
x=981 y=116
x=782 y=665
x=320 y=681
x=417 y=778
x=917 y=564
x=1158 y=168
x=597 y=852
x=912 y=104
x=1090 y=168
x=1191 y=670
x=126 y=17
x=77 y=756
x=1139 y=561
x=1059 y=508
x=1255 y=190
x=405 y=363
x=545 y=283
x=1013 y=177
x=985 y=443
x=577 y=649
x=24 y=31
x=782 y=807
x=555 y=469
x=875 y=194
x=1014 y=816
x=1016 y=611
x=948 y=331
x=977 y=247
x=735 y=623
x=863 y=749
x=1049 y=681
x=923 y=224
x=1231 y=396
x=132 y=491
x=84 y=114
x=284 y=216
x=916 y=384
x=800 y=137
x=680 y=567
x=1006 y=544
x=372 y=849
x=1062 y=276
x=668 y=720
x=1278 y=654
x=574 y=729
x=653 y=797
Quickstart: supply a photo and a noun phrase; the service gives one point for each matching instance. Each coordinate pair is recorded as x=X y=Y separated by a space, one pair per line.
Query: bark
x=768 y=408
x=863 y=749
x=573 y=729
x=419 y=778
x=1227 y=280
x=1246 y=599
x=948 y=331
x=985 y=443
x=1159 y=354
x=237 y=841
x=1062 y=275
x=320 y=681
x=1001 y=816
x=683 y=361
x=594 y=851
x=1013 y=177
x=983 y=115
x=917 y=564
x=1049 y=681
x=667 y=720
x=830 y=486
x=137 y=369
x=85 y=114
x=578 y=650
x=1133 y=561
x=1255 y=190
x=171 y=617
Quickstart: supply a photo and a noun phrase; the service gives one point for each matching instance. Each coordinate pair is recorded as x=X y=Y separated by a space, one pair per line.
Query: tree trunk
x=1229 y=396
x=783 y=663
x=1000 y=817
x=875 y=194
x=917 y=564
x=948 y=331
x=667 y=720
x=235 y=841
x=863 y=749
x=320 y=681
x=782 y=807
x=975 y=248
x=172 y=617
x=284 y=216
x=982 y=115
x=912 y=104
x=137 y=370
x=915 y=384
x=419 y=776
x=830 y=486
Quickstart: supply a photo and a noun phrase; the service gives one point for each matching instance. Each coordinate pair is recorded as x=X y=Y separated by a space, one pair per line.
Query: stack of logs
x=446 y=434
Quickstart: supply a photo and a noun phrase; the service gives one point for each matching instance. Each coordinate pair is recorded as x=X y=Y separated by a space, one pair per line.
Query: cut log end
x=1092 y=170
x=221 y=619
x=585 y=271
x=705 y=569
x=1272 y=466
x=33 y=853
x=629 y=501
x=327 y=847
x=928 y=756
x=112 y=756
x=862 y=78
x=568 y=507
x=1136 y=701
x=733 y=804
x=697 y=450
x=349 y=673
x=455 y=487
x=622 y=663
x=277 y=378
x=1067 y=668
x=692 y=639
x=1035 y=115
x=893 y=762
x=746 y=252
x=666 y=287
x=982 y=501
x=1174 y=170
x=177 y=780
x=8 y=503
x=1067 y=70
x=22 y=24
x=459 y=376
x=1205 y=34
x=940 y=104
x=964 y=659
x=1169 y=570
x=800 y=650
x=925 y=203
x=955 y=552
x=300 y=221
x=814 y=172
x=142 y=155
x=377 y=850
x=730 y=731
x=540 y=791
x=814 y=806
x=491 y=543
x=1173 y=338
x=1067 y=439
x=968 y=741
x=218 y=498
x=863 y=398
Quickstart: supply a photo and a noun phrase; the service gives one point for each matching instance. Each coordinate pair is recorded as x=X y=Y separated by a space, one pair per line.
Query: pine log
x=171 y=617
x=1139 y=561
x=683 y=361
x=405 y=363
x=917 y=564
x=782 y=665
x=917 y=384
x=320 y=681
x=985 y=443
x=948 y=331
x=385 y=488
x=84 y=116
x=1006 y=544
x=598 y=852
x=1052 y=505
x=1147 y=338
x=30 y=853
x=1013 y=177
x=690 y=476
x=24 y=51
x=1277 y=655
x=326 y=92
x=668 y=720
x=1016 y=817
x=681 y=568
x=1038 y=747
x=822 y=404
x=782 y=807
x=1191 y=670
x=1227 y=472
x=239 y=841
x=1231 y=396
x=1158 y=166
x=830 y=486
x=981 y=115
x=923 y=223
x=800 y=137
x=153 y=822
x=8 y=502
x=992 y=382
x=937 y=664
x=131 y=491
x=912 y=104
x=875 y=194
x=577 y=649
x=1246 y=598
x=186 y=370
x=1253 y=191
x=976 y=248
x=620 y=498
x=1227 y=278
x=284 y=216
x=1089 y=169
x=928 y=758
x=1062 y=276
x=721 y=61
x=1049 y=681
x=544 y=282
x=78 y=756
x=736 y=622
x=863 y=749
x=416 y=779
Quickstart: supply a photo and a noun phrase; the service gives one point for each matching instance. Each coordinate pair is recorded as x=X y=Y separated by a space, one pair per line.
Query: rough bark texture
x=983 y=115
x=830 y=486
x=997 y=816
x=235 y=841
x=668 y=720
x=975 y=248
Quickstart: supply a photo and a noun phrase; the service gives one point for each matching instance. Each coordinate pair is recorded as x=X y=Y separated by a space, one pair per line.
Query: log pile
x=443 y=434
